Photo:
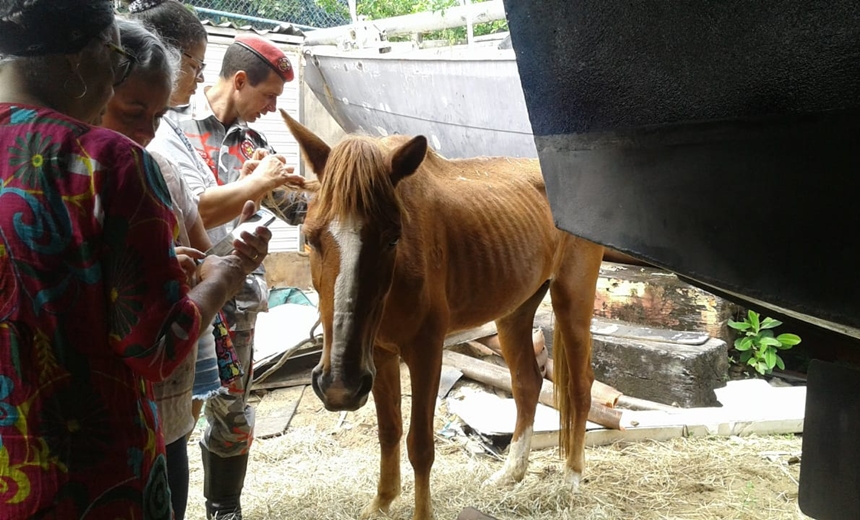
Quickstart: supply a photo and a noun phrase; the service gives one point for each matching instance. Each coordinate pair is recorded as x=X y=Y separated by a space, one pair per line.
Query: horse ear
x=406 y=159
x=314 y=149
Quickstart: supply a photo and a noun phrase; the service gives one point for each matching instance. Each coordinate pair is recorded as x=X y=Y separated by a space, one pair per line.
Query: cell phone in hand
x=262 y=217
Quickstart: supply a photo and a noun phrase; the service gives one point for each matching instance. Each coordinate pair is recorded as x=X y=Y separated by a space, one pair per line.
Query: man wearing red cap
x=214 y=128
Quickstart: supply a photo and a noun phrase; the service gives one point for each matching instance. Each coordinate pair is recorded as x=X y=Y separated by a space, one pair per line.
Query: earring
x=80 y=79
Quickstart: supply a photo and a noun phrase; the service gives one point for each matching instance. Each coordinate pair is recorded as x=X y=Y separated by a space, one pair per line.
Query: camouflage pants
x=229 y=417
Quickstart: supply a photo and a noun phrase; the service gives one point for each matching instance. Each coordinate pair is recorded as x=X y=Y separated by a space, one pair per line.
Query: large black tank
x=720 y=140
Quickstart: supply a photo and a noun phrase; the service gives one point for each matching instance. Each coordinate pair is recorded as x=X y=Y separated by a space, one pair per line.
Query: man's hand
x=252 y=247
x=249 y=165
x=273 y=172
x=247 y=255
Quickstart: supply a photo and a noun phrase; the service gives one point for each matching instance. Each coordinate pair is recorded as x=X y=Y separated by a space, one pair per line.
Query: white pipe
x=470 y=33
x=353 y=12
x=420 y=22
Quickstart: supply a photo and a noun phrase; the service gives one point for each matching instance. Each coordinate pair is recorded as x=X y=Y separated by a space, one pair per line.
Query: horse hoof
x=374 y=510
x=573 y=478
x=423 y=515
x=499 y=479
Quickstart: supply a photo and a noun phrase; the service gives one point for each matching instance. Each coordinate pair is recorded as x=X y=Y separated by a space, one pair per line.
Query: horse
x=406 y=247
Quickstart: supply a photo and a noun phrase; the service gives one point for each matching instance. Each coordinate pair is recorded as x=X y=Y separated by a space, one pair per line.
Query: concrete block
x=668 y=373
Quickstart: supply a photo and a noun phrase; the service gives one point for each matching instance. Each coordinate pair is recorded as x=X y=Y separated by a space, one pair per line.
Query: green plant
x=758 y=346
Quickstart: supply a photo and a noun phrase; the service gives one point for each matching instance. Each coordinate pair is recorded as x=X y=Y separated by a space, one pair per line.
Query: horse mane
x=357 y=183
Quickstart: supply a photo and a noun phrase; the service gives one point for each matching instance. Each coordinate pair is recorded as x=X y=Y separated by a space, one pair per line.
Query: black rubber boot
x=223 y=478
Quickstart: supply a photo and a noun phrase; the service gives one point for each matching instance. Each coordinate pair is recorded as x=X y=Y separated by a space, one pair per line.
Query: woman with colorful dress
x=94 y=302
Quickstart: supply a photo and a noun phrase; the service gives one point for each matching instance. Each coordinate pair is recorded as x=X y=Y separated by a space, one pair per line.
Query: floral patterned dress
x=93 y=308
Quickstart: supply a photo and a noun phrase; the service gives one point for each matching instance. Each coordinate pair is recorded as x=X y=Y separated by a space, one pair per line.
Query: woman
x=180 y=29
x=229 y=418
x=135 y=110
x=94 y=303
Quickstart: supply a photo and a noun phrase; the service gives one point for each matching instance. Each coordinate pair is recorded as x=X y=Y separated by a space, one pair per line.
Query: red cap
x=268 y=52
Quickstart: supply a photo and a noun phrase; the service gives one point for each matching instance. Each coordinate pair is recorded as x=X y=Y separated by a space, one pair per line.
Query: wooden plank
x=273 y=414
x=635 y=403
x=450 y=376
x=486 y=333
x=749 y=407
x=290 y=381
x=296 y=371
x=620 y=329
x=498 y=377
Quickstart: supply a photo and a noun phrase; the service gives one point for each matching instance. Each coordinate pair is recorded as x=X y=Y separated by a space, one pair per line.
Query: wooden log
x=605 y=394
x=656 y=298
x=275 y=411
x=455 y=338
x=600 y=392
x=538 y=341
x=498 y=377
x=481 y=349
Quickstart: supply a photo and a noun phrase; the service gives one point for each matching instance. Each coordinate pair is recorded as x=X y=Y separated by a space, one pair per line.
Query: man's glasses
x=201 y=65
x=125 y=64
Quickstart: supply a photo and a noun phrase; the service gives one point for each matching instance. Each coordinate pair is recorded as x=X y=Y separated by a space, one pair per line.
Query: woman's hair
x=174 y=22
x=41 y=71
x=45 y=27
x=150 y=53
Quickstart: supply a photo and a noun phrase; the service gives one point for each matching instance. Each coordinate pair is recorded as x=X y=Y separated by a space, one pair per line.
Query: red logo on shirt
x=247 y=148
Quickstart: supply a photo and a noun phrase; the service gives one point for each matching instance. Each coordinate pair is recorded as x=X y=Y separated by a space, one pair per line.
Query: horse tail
x=561 y=378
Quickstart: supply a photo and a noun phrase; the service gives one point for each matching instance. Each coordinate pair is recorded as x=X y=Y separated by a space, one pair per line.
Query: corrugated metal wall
x=284 y=237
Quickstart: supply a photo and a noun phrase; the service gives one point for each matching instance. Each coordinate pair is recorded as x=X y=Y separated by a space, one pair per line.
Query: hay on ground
x=324 y=467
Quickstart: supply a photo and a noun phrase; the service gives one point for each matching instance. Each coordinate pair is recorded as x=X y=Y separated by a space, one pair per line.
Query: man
x=226 y=168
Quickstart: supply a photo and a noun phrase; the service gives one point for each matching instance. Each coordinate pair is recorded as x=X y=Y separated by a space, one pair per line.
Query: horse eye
x=393 y=242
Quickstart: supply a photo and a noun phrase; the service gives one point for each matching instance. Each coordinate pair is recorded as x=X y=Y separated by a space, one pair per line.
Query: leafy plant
x=758 y=346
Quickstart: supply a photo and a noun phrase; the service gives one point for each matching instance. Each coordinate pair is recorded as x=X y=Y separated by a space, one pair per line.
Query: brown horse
x=406 y=247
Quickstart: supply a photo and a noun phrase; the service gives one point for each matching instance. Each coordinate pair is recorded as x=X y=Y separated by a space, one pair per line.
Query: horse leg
x=515 y=338
x=386 y=396
x=572 y=292
x=425 y=366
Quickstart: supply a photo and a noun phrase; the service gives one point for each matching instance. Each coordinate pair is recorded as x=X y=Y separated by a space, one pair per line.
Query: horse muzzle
x=340 y=393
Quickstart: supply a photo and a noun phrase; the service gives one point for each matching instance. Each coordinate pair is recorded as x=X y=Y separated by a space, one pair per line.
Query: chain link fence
x=263 y=14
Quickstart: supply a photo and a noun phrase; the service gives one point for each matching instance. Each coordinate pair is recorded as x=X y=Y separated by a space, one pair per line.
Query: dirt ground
x=326 y=465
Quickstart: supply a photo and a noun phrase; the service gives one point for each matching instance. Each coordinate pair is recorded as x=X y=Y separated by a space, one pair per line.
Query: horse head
x=353 y=226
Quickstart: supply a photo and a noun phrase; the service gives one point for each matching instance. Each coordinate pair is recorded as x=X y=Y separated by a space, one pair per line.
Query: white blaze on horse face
x=348 y=237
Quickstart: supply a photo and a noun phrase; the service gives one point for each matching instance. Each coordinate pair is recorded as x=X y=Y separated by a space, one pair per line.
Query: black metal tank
x=717 y=139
